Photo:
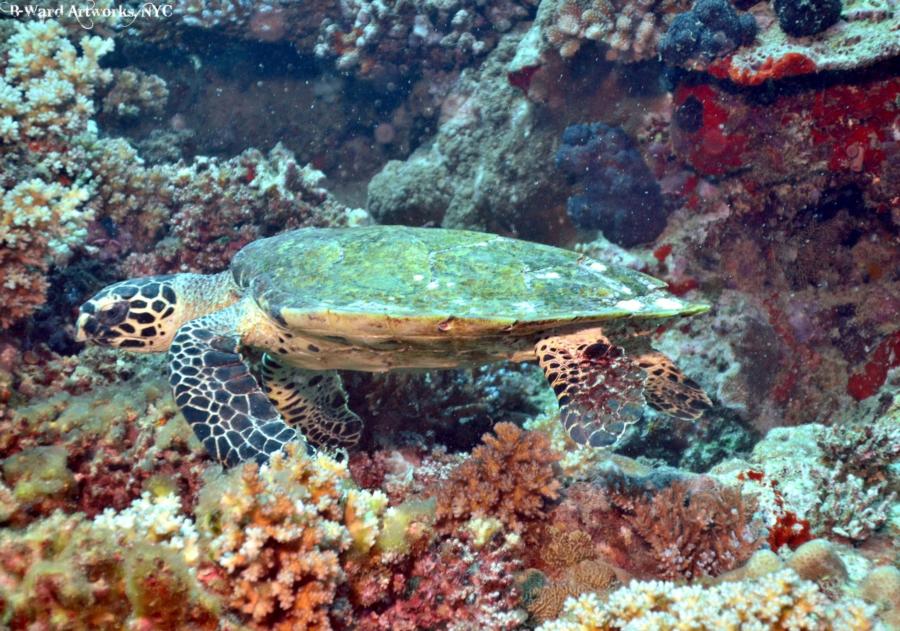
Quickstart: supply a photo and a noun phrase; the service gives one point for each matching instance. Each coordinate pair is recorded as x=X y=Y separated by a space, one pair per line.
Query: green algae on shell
x=404 y=281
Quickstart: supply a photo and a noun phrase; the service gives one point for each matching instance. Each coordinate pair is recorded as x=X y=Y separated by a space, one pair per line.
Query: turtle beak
x=81 y=325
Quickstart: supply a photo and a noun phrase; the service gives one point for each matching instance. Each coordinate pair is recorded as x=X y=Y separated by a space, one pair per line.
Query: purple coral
x=619 y=194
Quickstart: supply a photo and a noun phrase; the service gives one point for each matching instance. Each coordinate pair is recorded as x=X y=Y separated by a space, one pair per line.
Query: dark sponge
x=800 y=18
x=619 y=194
x=710 y=29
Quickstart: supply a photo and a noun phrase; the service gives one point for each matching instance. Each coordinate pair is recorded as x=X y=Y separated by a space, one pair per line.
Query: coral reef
x=65 y=572
x=658 y=527
x=629 y=30
x=849 y=498
x=275 y=532
x=134 y=93
x=720 y=156
x=376 y=40
x=711 y=29
x=478 y=170
x=619 y=194
x=511 y=477
x=45 y=98
x=781 y=600
x=864 y=36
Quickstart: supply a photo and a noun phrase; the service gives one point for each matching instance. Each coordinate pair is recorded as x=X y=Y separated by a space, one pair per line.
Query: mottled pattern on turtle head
x=141 y=315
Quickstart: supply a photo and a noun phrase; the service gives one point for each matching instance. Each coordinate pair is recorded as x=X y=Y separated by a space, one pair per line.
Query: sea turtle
x=376 y=298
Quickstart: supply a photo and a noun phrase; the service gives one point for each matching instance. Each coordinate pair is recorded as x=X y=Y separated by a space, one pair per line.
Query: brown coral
x=511 y=477
x=687 y=529
x=570 y=559
x=590 y=575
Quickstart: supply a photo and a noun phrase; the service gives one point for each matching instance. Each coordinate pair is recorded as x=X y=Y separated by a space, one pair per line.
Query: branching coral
x=196 y=217
x=512 y=476
x=276 y=532
x=45 y=98
x=631 y=28
x=39 y=223
x=779 y=602
x=686 y=528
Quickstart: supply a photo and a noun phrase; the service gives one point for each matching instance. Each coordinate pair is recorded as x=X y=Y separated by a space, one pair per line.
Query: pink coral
x=452 y=584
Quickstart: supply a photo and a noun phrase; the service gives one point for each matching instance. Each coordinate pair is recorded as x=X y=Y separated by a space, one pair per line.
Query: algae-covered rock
x=38 y=474
x=483 y=168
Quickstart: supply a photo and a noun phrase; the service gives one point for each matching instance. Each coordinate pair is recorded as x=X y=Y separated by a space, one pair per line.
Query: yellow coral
x=362 y=512
x=47 y=86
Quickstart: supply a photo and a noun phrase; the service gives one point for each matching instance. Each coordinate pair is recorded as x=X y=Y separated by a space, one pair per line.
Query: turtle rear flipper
x=598 y=387
x=218 y=396
x=313 y=401
x=668 y=390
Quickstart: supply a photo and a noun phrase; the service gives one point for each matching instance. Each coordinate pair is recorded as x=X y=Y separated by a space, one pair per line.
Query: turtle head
x=141 y=315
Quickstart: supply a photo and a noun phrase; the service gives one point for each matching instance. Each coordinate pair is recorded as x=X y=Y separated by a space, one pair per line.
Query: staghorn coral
x=778 y=601
x=512 y=476
x=662 y=527
x=275 y=534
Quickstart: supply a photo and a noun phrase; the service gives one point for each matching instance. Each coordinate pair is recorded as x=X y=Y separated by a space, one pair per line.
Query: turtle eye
x=114 y=314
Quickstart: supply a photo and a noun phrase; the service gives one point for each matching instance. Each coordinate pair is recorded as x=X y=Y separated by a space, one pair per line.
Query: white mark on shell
x=667 y=303
x=432 y=285
x=597 y=267
x=546 y=275
x=418 y=277
x=629 y=305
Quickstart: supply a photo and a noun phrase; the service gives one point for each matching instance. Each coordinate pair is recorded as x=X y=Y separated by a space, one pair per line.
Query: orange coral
x=512 y=477
x=276 y=531
x=689 y=528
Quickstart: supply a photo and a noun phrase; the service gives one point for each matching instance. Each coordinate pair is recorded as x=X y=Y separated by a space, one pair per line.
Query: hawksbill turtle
x=377 y=298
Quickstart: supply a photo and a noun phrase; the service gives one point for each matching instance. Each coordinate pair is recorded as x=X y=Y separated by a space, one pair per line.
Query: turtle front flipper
x=218 y=395
x=598 y=387
x=668 y=390
x=313 y=401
